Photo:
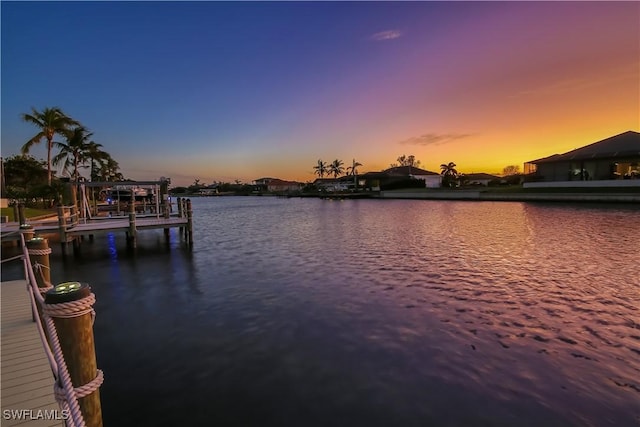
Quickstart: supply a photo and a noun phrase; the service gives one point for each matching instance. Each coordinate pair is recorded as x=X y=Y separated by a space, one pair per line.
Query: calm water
x=295 y=312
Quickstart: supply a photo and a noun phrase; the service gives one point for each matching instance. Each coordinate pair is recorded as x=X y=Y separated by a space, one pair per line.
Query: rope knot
x=80 y=391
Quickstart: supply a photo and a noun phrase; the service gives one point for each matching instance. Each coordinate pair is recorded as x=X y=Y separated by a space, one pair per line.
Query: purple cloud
x=386 y=35
x=434 y=138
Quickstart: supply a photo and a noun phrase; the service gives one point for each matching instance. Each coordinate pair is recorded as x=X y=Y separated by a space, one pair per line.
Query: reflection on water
x=367 y=312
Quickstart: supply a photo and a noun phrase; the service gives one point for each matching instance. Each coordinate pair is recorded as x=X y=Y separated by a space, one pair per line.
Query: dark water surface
x=306 y=312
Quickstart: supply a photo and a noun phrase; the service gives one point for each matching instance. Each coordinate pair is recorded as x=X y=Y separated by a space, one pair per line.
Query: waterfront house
x=276 y=185
x=480 y=178
x=431 y=179
x=210 y=190
x=334 y=184
x=614 y=161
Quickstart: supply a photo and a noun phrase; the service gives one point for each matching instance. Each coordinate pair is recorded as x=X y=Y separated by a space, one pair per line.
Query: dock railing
x=64 y=318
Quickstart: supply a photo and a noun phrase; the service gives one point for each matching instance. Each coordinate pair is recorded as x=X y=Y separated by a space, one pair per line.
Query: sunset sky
x=243 y=90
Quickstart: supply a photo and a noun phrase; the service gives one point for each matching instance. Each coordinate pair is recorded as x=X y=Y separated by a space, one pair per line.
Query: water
x=291 y=312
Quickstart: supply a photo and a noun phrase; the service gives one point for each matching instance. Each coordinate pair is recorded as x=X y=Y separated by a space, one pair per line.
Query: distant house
x=480 y=178
x=208 y=191
x=276 y=185
x=334 y=184
x=431 y=179
x=262 y=181
x=614 y=158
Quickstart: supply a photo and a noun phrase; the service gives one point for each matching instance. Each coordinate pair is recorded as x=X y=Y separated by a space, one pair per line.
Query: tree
x=95 y=155
x=511 y=170
x=336 y=168
x=75 y=153
x=321 y=169
x=23 y=174
x=109 y=170
x=353 y=170
x=449 y=174
x=49 y=121
x=409 y=160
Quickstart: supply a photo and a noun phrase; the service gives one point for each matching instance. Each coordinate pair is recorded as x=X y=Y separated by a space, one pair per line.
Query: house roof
x=480 y=176
x=276 y=182
x=408 y=170
x=626 y=144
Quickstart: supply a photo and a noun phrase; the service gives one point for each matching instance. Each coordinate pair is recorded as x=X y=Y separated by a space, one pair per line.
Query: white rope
x=37 y=267
x=34 y=251
x=83 y=390
x=54 y=353
x=66 y=395
x=67 y=310
x=12 y=258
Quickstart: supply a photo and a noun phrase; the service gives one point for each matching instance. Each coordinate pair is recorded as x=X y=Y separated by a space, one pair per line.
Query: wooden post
x=132 y=224
x=183 y=207
x=189 y=222
x=27 y=231
x=21 y=217
x=62 y=227
x=181 y=214
x=165 y=206
x=75 y=333
x=38 y=250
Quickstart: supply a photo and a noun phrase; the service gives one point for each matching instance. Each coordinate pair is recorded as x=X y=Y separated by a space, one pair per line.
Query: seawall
x=516 y=196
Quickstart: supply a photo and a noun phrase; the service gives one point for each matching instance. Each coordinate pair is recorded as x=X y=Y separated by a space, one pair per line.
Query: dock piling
x=189 y=223
x=27 y=231
x=132 y=224
x=70 y=306
x=62 y=228
x=21 y=217
x=38 y=249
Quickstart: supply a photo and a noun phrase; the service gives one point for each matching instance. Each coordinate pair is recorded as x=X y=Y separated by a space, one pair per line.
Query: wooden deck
x=25 y=375
x=97 y=226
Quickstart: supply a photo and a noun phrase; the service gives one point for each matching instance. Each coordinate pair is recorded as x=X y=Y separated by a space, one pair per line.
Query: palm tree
x=321 y=169
x=109 y=170
x=50 y=121
x=74 y=153
x=449 y=174
x=336 y=168
x=95 y=154
x=353 y=170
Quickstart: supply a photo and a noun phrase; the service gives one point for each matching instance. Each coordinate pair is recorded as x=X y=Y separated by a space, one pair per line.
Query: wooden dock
x=25 y=375
x=70 y=228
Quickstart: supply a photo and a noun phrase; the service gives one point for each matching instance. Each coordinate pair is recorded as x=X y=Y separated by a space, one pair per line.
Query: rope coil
x=70 y=309
x=80 y=391
x=46 y=251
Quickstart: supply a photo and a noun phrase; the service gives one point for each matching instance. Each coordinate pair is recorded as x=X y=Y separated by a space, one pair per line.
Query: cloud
x=434 y=138
x=386 y=35
x=622 y=72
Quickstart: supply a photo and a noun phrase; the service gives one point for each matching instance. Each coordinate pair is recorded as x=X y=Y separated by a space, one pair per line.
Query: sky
x=224 y=91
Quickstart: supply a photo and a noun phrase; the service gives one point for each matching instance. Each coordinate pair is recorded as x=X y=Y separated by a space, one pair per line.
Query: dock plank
x=26 y=381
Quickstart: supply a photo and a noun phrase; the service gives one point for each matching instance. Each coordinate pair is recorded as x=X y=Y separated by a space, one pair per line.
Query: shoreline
x=475 y=195
x=613 y=195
